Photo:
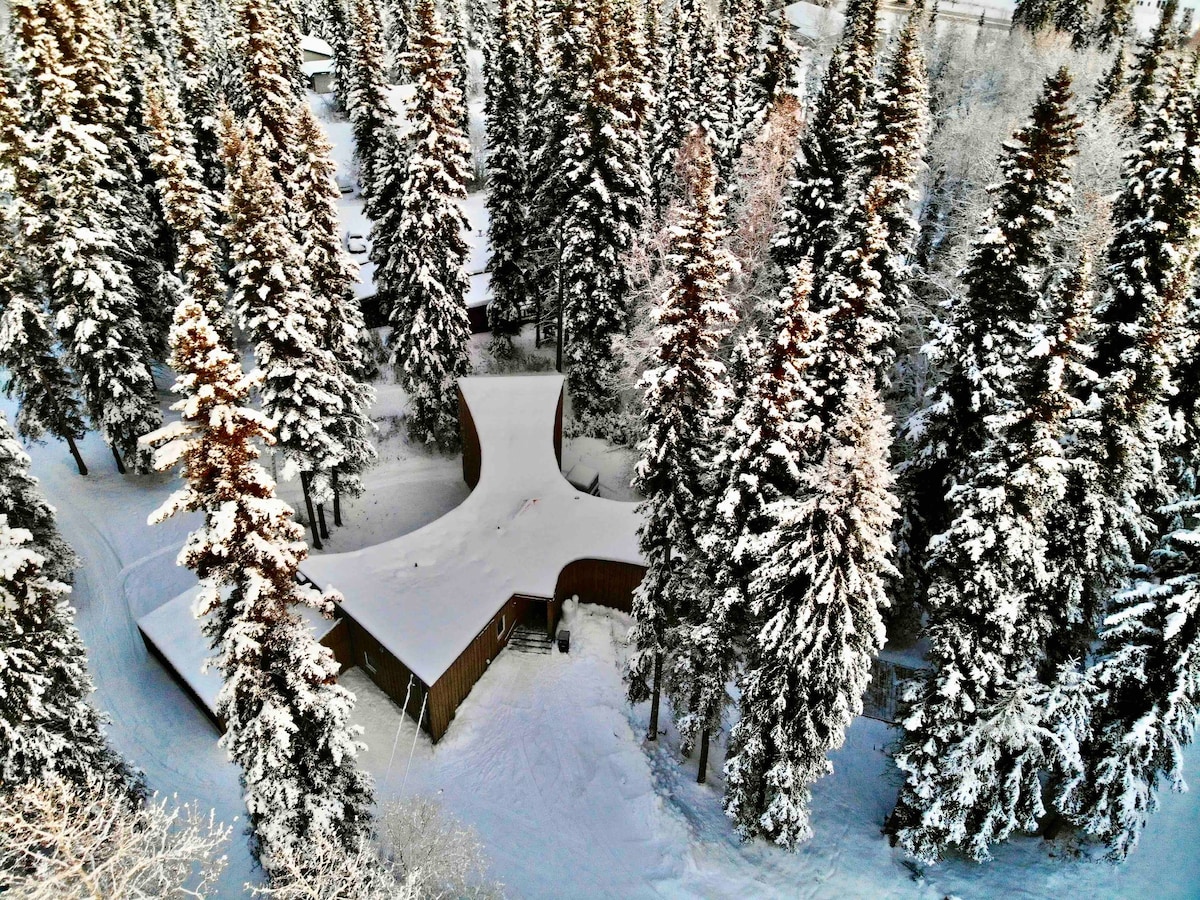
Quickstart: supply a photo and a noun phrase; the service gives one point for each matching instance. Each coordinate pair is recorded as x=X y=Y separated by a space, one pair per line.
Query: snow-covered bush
x=58 y=841
x=421 y=853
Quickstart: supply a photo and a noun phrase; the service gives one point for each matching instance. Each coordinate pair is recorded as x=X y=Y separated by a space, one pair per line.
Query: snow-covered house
x=317 y=64
x=425 y=614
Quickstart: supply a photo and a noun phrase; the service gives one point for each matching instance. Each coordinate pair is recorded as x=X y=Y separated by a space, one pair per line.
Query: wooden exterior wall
x=600 y=581
x=452 y=688
x=472 y=457
x=392 y=676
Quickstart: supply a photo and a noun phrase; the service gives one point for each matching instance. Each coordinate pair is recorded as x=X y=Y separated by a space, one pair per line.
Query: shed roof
x=426 y=595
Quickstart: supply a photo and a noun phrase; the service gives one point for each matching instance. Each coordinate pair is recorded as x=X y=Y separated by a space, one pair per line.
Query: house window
x=368 y=663
x=500 y=627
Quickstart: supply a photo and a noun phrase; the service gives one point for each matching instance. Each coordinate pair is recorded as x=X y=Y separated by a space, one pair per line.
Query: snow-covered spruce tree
x=366 y=96
x=1147 y=684
x=38 y=375
x=816 y=599
x=259 y=37
x=559 y=91
x=1157 y=222
x=336 y=316
x=769 y=440
x=1112 y=83
x=419 y=246
x=988 y=327
x=827 y=167
x=978 y=733
x=638 y=81
x=865 y=279
x=606 y=185
x=396 y=15
x=685 y=392
x=1034 y=16
x=676 y=111
x=458 y=33
x=509 y=98
x=1113 y=22
x=335 y=28
x=47 y=725
x=199 y=91
x=91 y=293
x=287 y=721
x=742 y=59
x=710 y=69
x=1073 y=17
x=301 y=384
x=775 y=75
x=1151 y=54
x=188 y=205
x=108 y=49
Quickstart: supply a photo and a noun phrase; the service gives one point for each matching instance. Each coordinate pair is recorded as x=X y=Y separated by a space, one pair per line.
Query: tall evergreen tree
x=988 y=327
x=817 y=595
x=199 y=92
x=47 y=725
x=978 y=734
x=419 y=245
x=366 y=98
x=866 y=271
x=685 y=395
x=336 y=317
x=605 y=188
x=509 y=97
x=287 y=721
x=559 y=92
x=1112 y=83
x=776 y=74
x=676 y=111
x=1113 y=22
x=302 y=388
x=827 y=166
x=37 y=374
x=1151 y=54
x=396 y=18
x=188 y=205
x=92 y=294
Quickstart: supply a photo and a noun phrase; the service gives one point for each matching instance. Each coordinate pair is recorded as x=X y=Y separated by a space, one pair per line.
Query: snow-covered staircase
x=528 y=640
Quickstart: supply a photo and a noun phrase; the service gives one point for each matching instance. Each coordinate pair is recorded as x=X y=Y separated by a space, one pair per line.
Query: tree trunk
x=558 y=350
x=308 y=506
x=321 y=521
x=337 y=501
x=652 y=731
x=75 y=453
x=117 y=457
x=702 y=769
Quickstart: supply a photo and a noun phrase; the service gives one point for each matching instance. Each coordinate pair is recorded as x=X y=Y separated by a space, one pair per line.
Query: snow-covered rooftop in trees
x=313 y=44
x=175 y=631
x=426 y=595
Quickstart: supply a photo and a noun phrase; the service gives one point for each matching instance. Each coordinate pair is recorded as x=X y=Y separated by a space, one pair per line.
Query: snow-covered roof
x=315 y=45
x=426 y=595
x=316 y=67
x=813 y=22
x=175 y=631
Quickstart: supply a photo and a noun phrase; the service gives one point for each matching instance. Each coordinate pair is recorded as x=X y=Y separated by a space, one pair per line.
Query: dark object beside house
x=564 y=641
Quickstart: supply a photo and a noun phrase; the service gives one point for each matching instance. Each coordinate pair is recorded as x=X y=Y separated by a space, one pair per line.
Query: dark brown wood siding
x=338 y=640
x=392 y=676
x=600 y=581
x=470 y=442
x=452 y=688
